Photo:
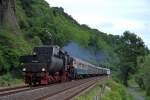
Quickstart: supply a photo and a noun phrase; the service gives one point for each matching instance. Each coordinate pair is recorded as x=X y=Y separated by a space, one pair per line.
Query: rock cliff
x=7 y=14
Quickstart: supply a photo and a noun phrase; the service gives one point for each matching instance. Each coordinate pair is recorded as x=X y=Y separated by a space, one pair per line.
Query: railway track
x=8 y=91
x=61 y=91
x=14 y=90
x=70 y=92
x=10 y=88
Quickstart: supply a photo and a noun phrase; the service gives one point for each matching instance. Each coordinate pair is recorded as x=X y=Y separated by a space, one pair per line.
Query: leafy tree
x=131 y=47
x=26 y=5
x=93 y=43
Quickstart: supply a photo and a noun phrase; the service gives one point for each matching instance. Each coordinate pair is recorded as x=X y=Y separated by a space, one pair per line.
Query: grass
x=118 y=92
x=142 y=91
x=91 y=94
x=109 y=90
x=147 y=98
x=9 y=80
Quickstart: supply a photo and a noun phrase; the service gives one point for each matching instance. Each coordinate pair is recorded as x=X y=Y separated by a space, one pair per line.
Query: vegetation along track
x=64 y=90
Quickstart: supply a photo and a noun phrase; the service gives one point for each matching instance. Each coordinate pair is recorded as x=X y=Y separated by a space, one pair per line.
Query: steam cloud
x=85 y=54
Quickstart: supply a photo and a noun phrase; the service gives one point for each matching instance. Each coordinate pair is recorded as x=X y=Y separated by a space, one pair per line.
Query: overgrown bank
x=108 y=90
x=9 y=80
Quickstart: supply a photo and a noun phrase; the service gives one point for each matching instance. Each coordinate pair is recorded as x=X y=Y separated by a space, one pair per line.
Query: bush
x=106 y=90
x=8 y=80
x=118 y=92
x=11 y=48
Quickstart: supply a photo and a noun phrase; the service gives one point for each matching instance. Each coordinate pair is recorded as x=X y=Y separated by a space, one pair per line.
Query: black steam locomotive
x=50 y=64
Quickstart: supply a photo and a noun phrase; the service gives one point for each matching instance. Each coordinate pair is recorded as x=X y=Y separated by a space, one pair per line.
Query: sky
x=110 y=16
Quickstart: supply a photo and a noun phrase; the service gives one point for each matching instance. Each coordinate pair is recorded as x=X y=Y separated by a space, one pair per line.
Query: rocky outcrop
x=7 y=14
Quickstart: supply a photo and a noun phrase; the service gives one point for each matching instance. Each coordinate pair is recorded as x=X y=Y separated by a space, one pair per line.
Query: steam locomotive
x=50 y=64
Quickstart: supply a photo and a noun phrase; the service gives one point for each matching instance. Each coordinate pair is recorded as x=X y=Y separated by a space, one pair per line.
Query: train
x=50 y=64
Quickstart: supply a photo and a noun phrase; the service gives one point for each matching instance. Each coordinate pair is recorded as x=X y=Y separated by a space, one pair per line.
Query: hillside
x=41 y=24
x=28 y=23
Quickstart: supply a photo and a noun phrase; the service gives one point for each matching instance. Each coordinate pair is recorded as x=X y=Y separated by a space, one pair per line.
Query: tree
x=130 y=48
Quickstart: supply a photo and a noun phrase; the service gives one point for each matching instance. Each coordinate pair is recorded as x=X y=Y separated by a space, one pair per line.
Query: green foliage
x=147 y=98
x=11 y=47
x=117 y=92
x=131 y=47
x=36 y=41
x=41 y=24
x=8 y=80
x=107 y=90
x=142 y=77
x=39 y=19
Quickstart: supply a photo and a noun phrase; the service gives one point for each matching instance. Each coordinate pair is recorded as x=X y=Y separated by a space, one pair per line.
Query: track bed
x=62 y=91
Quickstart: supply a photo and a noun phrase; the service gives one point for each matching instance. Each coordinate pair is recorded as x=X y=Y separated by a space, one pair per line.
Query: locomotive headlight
x=24 y=69
x=34 y=53
x=43 y=69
